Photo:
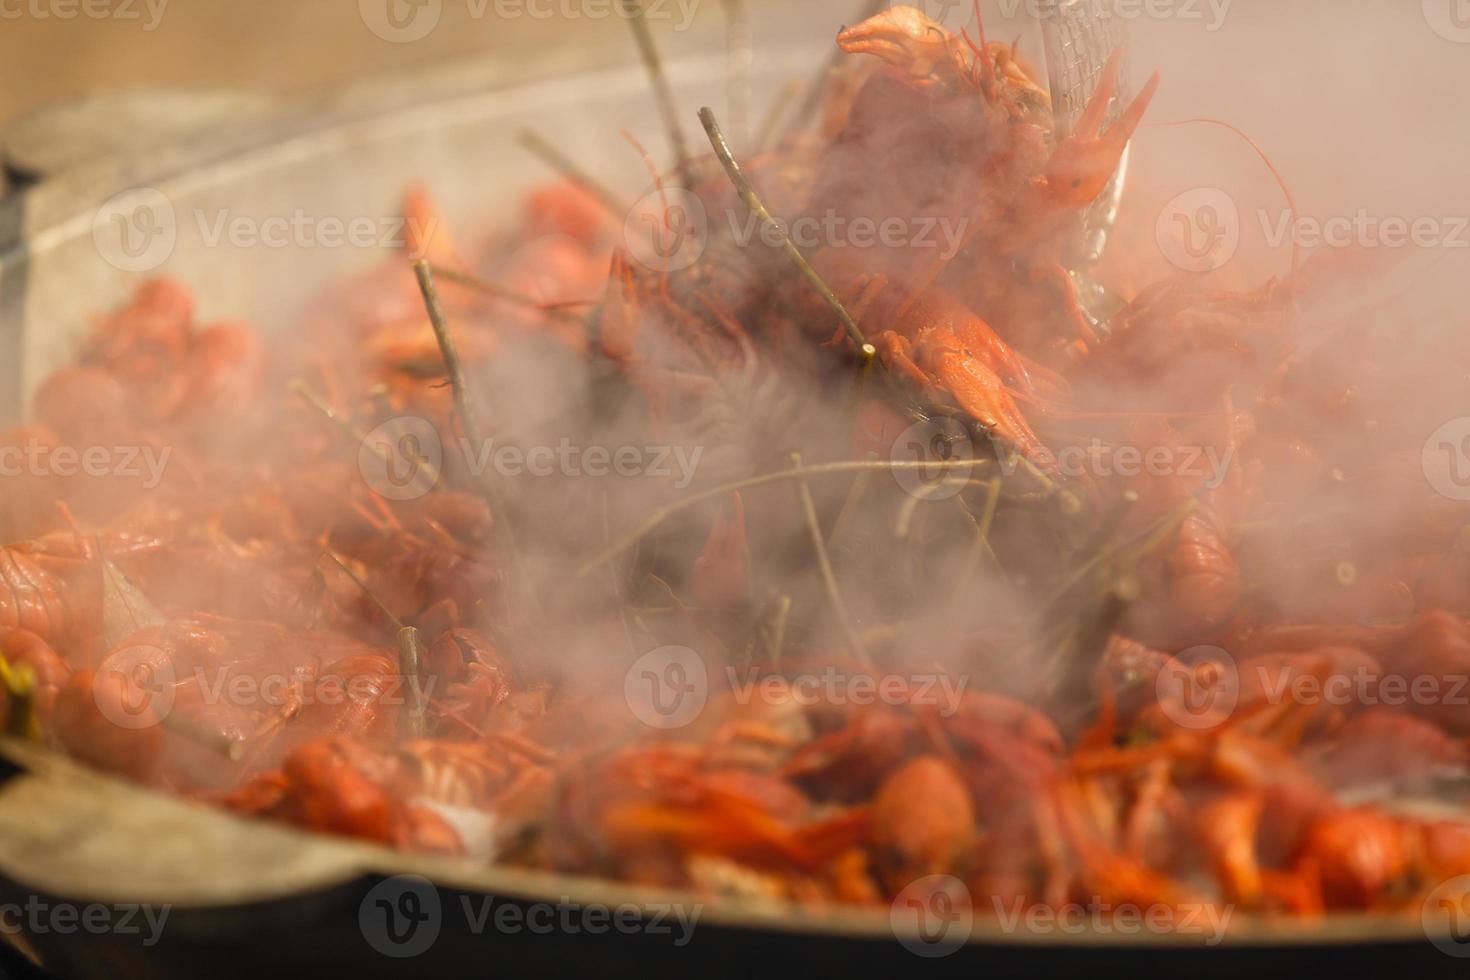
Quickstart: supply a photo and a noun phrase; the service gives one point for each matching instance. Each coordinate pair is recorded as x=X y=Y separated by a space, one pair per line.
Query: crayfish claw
x=904 y=37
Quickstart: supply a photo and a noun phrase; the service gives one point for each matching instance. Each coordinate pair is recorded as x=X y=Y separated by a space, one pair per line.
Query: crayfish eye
x=1076 y=182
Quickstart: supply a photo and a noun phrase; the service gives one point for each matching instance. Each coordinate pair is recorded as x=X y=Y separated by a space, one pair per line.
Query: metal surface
x=245 y=896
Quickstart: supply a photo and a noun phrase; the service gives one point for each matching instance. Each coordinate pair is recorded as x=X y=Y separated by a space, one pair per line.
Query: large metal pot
x=244 y=897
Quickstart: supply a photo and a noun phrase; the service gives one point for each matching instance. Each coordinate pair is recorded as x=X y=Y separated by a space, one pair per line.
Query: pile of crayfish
x=1099 y=685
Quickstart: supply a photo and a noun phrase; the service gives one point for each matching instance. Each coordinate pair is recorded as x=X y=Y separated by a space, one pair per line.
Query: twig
x=355 y=432
x=410 y=649
x=501 y=293
x=663 y=94
x=410 y=666
x=774 y=112
x=981 y=544
x=752 y=201
x=818 y=85
x=1151 y=539
x=901 y=526
x=464 y=404
x=612 y=581
x=778 y=640
x=738 y=56
x=855 y=493
x=565 y=166
x=1071 y=504
x=820 y=469
x=398 y=624
x=824 y=563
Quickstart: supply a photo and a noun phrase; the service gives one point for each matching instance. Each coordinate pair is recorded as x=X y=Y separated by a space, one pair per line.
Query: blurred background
x=275 y=45
x=1354 y=101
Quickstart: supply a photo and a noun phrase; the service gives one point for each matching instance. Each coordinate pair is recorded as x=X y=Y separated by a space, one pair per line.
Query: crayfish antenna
x=1122 y=131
